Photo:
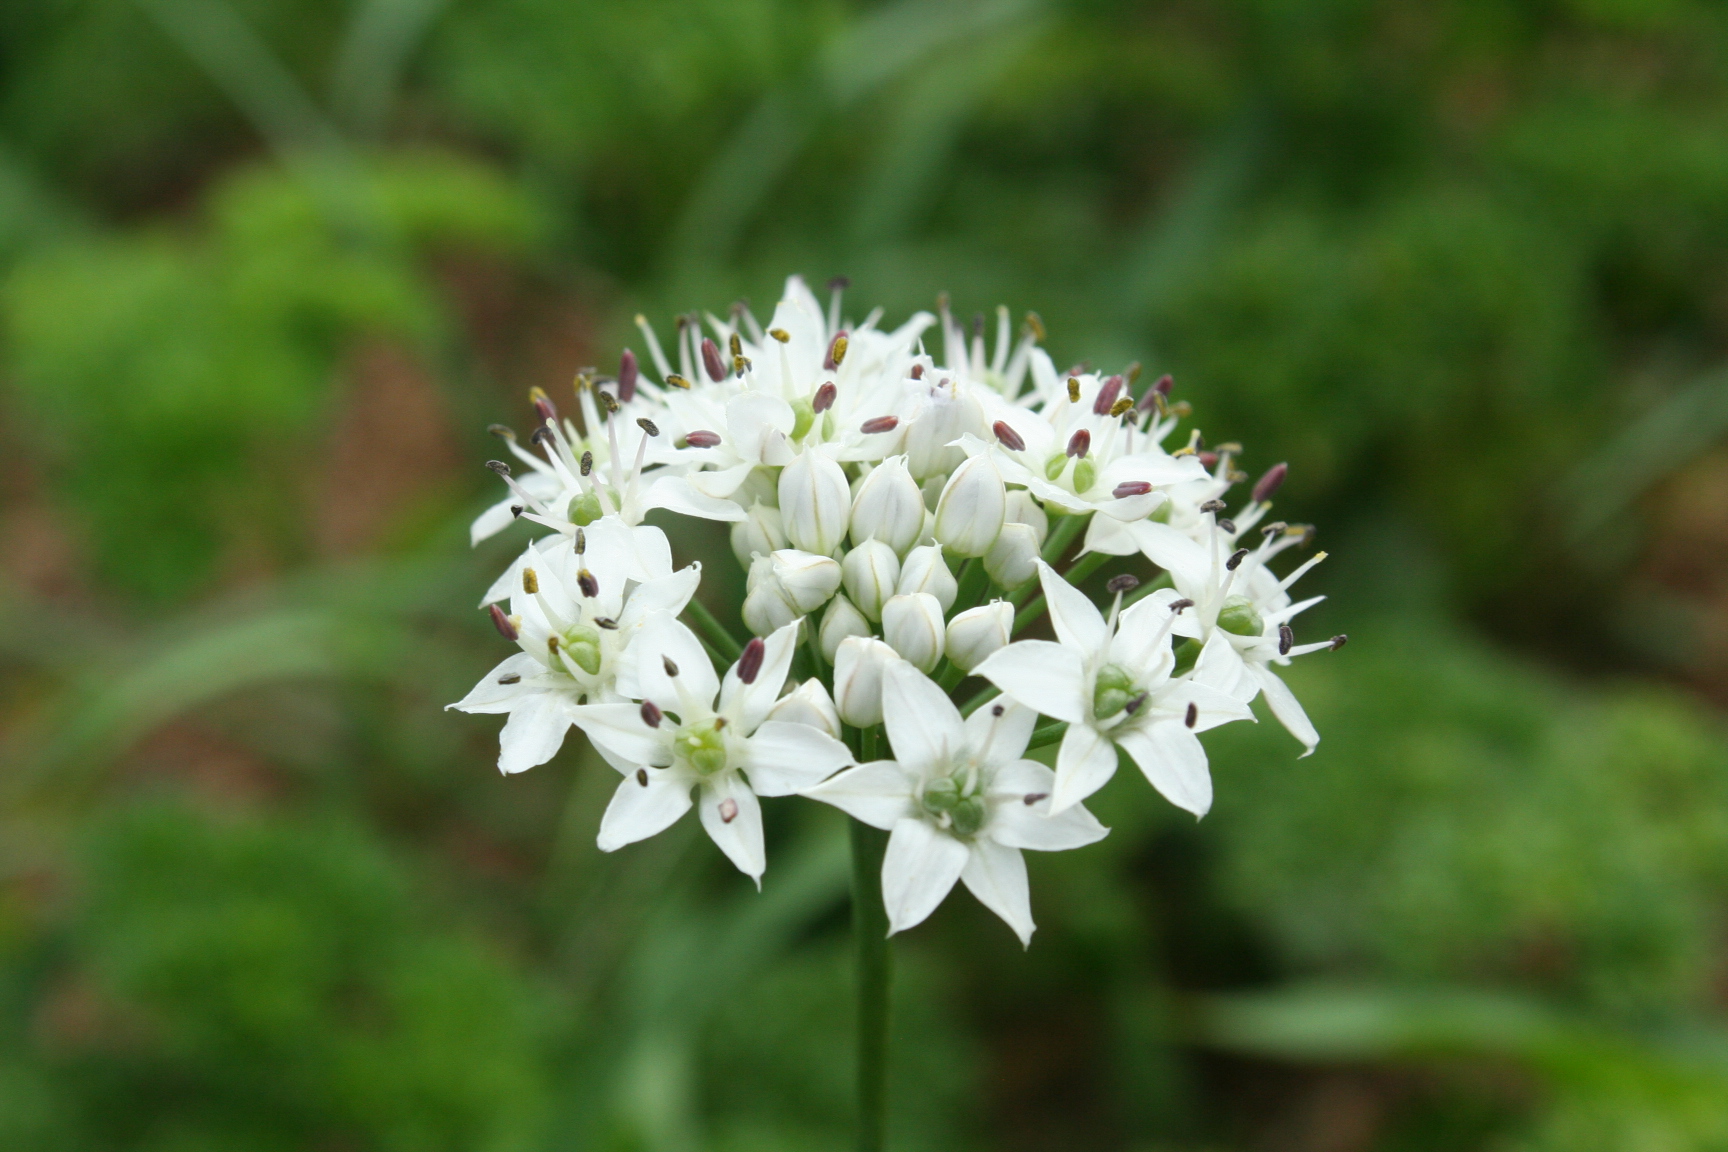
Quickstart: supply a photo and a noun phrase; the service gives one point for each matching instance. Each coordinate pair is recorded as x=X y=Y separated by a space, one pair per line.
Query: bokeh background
x=268 y=268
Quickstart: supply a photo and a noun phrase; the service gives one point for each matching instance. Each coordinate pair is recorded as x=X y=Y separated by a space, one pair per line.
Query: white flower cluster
x=895 y=512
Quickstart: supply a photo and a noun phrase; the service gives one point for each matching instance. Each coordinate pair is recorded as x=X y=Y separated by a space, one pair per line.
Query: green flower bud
x=1111 y=691
x=584 y=509
x=1239 y=617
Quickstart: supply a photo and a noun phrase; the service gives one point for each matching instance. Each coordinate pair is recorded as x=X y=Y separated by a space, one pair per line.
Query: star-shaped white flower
x=574 y=616
x=1111 y=681
x=960 y=802
x=678 y=741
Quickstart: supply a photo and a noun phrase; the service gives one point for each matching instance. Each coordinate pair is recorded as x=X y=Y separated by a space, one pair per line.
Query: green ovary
x=944 y=797
x=582 y=645
x=1112 y=691
x=584 y=509
x=803 y=416
x=702 y=746
x=1239 y=617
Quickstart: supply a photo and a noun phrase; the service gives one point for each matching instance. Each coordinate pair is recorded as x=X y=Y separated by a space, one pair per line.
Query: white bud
x=871 y=571
x=806 y=580
x=808 y=704
x=1011 y=561
x=765 y=605
x=912 y=625
x=840 y=621
x=815 y=503
x=970 y=513
x=946 y=415
x=858 y=667
x=1023 y=508
x=888 y=507
x=924 y=570
x=761 y=531
x=977 y=632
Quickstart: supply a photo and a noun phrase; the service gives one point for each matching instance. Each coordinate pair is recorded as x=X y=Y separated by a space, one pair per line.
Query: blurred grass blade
x=376 y=46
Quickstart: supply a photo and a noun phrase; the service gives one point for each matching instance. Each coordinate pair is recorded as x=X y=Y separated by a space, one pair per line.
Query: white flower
x=1023 y=508
x=912 y=626
x=977 y=632
x=959 y=801
x=573 y=621
x=810 y=704
x=858 y=665
x=806 y=579
x=1010 y=560
x=678 y=741
x=841 y=620
x=888 y=507
x=871 y=571
x=1111 y=681
x=815 y=503
x=946 y=408
x=972 y=507
x=924 y=570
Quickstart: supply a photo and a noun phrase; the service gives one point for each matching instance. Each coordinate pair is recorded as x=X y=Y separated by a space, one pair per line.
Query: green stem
x=1046 y=734
x=985 y=694
x=870 y=932
x=1162 y=580
x=714 y=630
x=1067 y=527
x=950 y=676
x=973 y=583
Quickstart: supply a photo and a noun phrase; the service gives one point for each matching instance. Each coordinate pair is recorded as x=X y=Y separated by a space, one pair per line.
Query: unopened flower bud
x=1023 y=508
x=888 y=507
x=924 y=570
x=912 y=626
x=944 y=418
x=871 y=572
x=806 y=579
x=759 y=533
x=858 y=667
x=977 y=632
x=1011 y=560
x=842 y=619
x=815 y=503
x=766 y=607
x=973 y=505
x=808 y=704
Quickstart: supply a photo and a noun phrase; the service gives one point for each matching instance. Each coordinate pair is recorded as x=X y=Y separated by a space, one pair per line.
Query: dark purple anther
x=879 y=424
x=824 y=399
x=627 y=375
x=711 y=360
x=1080 y=443
x=585 y=581
x=651 y=714
x=1193 y=716
x=1268 y=484
x=702 y=438
x=543 y=404
x=917 y=371
x=1286 y=639
x=1010 y=439
x=1123 y=583
x=502 y=623
x=750 y=661
x=1106 y=398
x=1131 y=488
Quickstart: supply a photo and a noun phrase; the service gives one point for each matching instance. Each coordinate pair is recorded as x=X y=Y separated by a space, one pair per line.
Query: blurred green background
x=269 y=267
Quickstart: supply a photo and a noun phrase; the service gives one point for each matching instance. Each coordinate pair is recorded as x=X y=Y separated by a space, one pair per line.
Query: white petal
x=748 y=704
x=1075 y=618
x=733 y=817
x=620 y=730
x=639 y=811
x=1211 y=707
x=507 y=584
x=677 y=494
x=722 y=483
x=1021 y=825
x=1220 y=666
x=1041 y=675
x=1143 y=637
x=998 y=731
x=534 y=732
x=1287 y=708
x=492 y=521
x=918 y=871
x=669 y=594
x=663 y=639
x=1084 y=764
x=923 y=725
x=1173 y=551
x=878 y=793
x=996 y=874
x=752 y=416
x=1174 y=761
x=1110 y=536
x=785 y=758
x=491 y=696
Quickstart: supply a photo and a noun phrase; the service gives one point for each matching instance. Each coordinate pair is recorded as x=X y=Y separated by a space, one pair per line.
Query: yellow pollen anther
x=780 y=334
x=1073 y=390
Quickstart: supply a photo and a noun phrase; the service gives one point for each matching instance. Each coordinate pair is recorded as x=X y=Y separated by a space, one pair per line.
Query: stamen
x=627 y=374
x=1073 y=390
x=1193 y=716
x=530 y=581
x=1286 y=638
x=1131 y=488
x=581 y=541
x=502 y=431
x=1106 y=397
x=1123 y=583
x=1010 y=439
x=1177 y=607
x=587 y=463
x=1122 y=407
x=506 y=625
x=711 y=360
x=606 y=622
x=543 y=404
x=702 y=438
x=996 y=710
x=1339 y=641
x=917 y=371
x=1301 y=569
x=1035 y=325
x=824 y=398
x=654 y=349
x=589 y=586
x=651 y=714
x=677 y=381
x=1229 y=526
x=750 y=661
x=879 y=424
x=728 y=810
x=1136 y=704
x=608 y=402
x=1213 y=506
x=1268 y=484
x=1080 y=443
x=666 y=663
x=1032 y=798
x=642 y=777
x=836 y=352
x=510 y=678
x=1236 y=559
x=780 y=334
x=647 y=426
x=1273 y=529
